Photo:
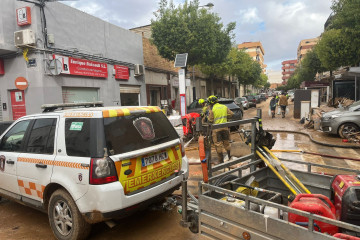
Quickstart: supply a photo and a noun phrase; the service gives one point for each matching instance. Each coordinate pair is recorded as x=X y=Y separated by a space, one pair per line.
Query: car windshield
x=230 y=104
x=238 y=100
x=134 y=132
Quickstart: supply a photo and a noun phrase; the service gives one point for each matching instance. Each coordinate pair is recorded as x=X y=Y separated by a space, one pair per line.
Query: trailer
x=221 y=211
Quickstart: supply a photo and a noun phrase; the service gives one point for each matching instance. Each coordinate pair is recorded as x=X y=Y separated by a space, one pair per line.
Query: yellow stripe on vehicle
x=127 y=111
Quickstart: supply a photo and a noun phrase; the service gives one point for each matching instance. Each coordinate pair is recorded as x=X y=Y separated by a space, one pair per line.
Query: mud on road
x=22 y=222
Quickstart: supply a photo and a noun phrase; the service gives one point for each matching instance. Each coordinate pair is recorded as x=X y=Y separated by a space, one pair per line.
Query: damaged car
x=344 y=121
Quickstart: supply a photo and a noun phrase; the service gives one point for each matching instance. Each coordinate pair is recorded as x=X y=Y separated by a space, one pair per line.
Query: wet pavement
x=21 y=222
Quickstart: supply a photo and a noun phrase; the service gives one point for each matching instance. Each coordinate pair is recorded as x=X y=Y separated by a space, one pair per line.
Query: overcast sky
x=278 y=24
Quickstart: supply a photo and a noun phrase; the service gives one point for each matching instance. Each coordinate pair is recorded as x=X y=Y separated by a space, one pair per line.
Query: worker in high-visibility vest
x=205 y=110
x=219 y=113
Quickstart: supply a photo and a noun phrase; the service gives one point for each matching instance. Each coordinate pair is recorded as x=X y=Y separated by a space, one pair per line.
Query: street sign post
x=180 y=61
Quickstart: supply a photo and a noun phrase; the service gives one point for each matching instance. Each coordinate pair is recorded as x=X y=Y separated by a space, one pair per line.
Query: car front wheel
x=65 y=219
x=347 y=129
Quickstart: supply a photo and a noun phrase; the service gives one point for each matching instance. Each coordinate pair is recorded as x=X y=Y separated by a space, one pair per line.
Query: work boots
x=220 y=158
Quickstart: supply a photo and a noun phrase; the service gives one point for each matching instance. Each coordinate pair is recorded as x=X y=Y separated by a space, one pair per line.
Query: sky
x=278 y=24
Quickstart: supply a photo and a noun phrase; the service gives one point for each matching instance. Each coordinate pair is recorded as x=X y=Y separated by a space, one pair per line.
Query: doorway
x=18 y=104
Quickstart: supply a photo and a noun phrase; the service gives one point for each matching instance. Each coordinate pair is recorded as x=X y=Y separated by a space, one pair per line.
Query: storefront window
x=129 y=99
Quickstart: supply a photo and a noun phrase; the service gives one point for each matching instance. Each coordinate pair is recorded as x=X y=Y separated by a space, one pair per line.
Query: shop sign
x=82 y=67
x=121 y=72
x=23 y=16
x=316 y=84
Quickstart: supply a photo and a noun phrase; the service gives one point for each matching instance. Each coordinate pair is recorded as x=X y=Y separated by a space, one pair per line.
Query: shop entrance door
x=18 y=104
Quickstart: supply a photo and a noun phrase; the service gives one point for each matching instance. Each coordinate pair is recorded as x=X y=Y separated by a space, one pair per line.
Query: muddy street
x=21 y=222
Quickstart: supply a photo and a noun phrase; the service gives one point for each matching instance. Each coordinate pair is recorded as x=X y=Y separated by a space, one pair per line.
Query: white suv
x=87 y=165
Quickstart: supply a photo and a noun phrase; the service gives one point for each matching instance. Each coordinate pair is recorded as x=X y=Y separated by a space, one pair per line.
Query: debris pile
x=313 y=120
x=342 y=101
x=352 y=137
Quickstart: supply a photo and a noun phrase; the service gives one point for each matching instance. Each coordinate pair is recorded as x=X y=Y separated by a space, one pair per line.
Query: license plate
x=146 y=161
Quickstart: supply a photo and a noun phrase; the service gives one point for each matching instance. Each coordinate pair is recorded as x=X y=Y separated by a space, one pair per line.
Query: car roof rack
x=53 y=107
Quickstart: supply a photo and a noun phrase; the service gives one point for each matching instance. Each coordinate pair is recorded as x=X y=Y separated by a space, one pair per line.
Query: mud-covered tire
x=193 y=218
x=225 y=179
x=65 y=220
x=347 y=128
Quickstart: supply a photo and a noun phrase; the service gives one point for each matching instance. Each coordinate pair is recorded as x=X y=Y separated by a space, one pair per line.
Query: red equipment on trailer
x=346 y=198
x=314 y=203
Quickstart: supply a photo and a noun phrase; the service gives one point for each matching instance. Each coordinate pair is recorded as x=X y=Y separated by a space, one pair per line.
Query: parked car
x=251 y=100
x=238 y=111
x=263 y=97
x=88 y=165
x=242 y=101
x=342 y=121
x=258 y=99
x=4 y=126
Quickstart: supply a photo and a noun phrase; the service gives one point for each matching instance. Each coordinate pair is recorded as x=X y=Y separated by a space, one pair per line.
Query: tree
x=261 y=81
x=267 y=85
x=334 y=50
x=340 y=43
x=188 y=29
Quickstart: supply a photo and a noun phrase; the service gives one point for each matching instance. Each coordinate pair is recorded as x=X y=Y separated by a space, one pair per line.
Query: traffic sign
x=21 y=83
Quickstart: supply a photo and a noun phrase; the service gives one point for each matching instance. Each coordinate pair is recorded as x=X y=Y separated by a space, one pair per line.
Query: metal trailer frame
x=219 y=219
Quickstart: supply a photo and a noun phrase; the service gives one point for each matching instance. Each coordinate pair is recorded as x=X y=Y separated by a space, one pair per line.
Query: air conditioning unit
x=24 y=38
x=139 y=69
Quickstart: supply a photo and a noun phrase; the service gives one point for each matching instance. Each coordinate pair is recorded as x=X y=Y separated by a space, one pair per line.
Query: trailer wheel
x=193 y=218
x=225 y=179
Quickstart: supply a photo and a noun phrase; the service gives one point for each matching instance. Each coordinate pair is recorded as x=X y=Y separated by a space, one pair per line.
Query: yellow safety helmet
x=212 y=99
x=201 y=101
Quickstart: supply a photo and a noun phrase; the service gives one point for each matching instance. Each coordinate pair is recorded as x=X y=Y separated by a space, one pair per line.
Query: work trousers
x=221 y=137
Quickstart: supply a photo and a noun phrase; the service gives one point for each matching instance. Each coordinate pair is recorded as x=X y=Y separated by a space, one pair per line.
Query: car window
x=194 y=105
x=134 y=132
x=13 y=139
x=41 y=139
x=238 y=100
x=84 y=137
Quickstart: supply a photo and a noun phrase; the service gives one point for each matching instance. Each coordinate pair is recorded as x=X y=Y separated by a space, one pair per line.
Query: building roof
x=251 y=45
x=289 y=61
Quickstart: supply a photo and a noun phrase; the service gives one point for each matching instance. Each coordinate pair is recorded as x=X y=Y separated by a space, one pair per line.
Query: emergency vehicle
x=86 y=165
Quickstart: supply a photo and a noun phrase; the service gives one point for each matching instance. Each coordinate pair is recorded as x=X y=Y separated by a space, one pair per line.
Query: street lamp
x=209 y=5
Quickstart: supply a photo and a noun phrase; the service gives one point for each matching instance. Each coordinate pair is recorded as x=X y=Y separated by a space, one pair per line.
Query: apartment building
x=305 y=46
x=256 y=51
x=288 y=68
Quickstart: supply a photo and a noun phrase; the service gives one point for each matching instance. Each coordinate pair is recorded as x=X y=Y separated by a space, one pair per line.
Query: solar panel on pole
x=181 y=60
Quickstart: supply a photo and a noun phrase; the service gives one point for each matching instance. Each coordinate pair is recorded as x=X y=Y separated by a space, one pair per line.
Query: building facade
x=288 y=68
x=256 y=51
x=305 y=46
x=75 y=57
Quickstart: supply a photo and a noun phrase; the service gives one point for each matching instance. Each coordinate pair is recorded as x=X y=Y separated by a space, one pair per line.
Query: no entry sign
x=21 y=83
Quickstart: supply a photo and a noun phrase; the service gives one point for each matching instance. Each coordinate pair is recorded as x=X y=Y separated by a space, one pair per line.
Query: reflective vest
x=204 y=109
x=220 y=113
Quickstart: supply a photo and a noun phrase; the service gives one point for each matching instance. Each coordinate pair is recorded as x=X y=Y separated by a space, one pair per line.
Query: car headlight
x=335 y=116
x=327 y=118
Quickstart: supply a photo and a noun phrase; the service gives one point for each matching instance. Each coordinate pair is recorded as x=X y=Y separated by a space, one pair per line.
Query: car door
x=35 y=164
x=11 y=145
